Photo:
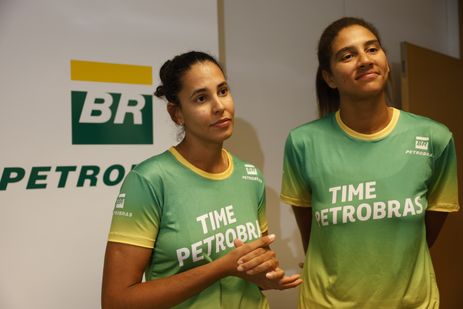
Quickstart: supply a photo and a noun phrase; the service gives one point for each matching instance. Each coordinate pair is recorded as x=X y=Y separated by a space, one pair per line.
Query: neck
x=366 y=116
x=207 y=157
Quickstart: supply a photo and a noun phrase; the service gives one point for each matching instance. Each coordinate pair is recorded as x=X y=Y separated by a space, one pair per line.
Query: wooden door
x=432 y=85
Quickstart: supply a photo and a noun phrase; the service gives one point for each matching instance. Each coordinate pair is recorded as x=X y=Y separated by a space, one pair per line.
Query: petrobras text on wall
x=62 y=176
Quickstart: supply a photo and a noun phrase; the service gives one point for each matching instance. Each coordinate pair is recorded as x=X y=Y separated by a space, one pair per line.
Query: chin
x=227 y=136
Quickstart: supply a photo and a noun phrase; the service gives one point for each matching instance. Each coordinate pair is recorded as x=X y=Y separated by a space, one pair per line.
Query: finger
x=265 y=266
x=262 y=242
x=238 y=243
x=289 y=279
x=290 y=282
x=253 y=255
x=291 y=285
x=264 y=260
x=276 y=274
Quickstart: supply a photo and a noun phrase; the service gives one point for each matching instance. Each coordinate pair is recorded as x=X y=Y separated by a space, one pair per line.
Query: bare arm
x=125 y=264
x=434 y=222
x=304 y=223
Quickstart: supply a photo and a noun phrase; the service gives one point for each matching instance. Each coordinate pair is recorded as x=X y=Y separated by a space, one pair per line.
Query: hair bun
x=160 y=91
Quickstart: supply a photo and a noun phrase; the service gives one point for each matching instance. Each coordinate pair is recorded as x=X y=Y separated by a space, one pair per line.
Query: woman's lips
x=222 y=123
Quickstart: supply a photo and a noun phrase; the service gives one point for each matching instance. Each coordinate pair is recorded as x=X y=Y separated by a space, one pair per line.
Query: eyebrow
x=367 y=43
x=200 y=90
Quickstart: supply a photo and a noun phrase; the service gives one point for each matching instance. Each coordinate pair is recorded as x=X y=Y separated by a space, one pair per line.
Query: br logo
x=111 y=117
x=422 y=143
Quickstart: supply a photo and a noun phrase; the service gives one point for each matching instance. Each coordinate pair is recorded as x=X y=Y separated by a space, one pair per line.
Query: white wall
x=270 y=51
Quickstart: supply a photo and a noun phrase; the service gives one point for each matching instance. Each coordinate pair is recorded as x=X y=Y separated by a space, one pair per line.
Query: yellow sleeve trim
x=146 y=243
x=444 y=207
x=294 y=201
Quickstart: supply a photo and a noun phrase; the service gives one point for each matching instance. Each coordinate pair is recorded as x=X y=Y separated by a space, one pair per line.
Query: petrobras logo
x=422 y=142
x=105 y=115
x=421 y=147
x=251 y=173
x=120 y=200
x=110 y=104
x=250 y=169
x=119 y=207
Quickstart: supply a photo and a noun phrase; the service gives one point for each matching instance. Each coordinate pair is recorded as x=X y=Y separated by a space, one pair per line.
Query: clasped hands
x=256 y=262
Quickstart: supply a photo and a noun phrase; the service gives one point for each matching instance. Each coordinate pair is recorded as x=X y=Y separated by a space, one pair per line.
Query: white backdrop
x=53 y=239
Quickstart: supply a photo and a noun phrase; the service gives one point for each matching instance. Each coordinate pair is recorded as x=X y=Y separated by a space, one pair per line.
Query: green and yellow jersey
x=369 y=195
x=190 y=217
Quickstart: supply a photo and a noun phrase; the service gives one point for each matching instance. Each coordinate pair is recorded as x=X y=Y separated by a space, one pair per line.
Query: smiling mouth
x=222 y=122
x=367 y=75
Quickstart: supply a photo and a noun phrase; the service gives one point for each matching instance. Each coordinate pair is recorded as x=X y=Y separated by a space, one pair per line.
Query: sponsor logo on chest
x=421 y=147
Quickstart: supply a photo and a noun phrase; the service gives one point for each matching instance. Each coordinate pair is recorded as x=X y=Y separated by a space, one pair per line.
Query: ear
x=175 y=113
x=328 y=78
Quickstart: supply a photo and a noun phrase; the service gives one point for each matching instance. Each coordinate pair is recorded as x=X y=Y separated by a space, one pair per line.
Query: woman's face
x=206 y=105
x=359 y=66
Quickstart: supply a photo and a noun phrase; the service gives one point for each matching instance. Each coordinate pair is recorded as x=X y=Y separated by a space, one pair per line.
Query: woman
x=363 y=180
x=180 y=214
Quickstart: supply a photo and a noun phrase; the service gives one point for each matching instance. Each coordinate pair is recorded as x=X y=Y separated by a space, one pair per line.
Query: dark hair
x=172 y=72
x=328 y=98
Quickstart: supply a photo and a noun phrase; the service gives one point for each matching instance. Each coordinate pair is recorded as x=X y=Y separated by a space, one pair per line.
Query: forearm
x=303 y=216
x=123 y=272
x=165 y=292
x=434 y=223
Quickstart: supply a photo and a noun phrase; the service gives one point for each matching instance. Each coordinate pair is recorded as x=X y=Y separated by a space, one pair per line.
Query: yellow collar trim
x=374 y=136
x=214 y=176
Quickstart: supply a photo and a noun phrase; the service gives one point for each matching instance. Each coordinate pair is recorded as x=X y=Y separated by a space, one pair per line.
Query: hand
x=262 y=259
x=277 y=280
x=260 y=266
x=253 y=256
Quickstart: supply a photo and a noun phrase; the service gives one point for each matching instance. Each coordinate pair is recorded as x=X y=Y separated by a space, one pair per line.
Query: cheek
x=230 y=106
x=232 y=109
x=342 y=78
x=341 y=75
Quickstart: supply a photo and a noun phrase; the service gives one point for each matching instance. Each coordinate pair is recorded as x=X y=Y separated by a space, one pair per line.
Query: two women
x=368 y=184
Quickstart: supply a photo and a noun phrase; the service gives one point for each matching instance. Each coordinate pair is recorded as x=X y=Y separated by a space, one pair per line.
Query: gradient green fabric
x=369 y=195
x=190 y=217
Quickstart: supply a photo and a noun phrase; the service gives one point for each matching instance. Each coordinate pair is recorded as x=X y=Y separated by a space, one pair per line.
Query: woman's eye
x=201 y=99
x=346 y=57
x=373 y=50
x=223 y=91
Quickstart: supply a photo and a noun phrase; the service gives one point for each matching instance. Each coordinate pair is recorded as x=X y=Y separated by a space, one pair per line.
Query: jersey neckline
x=374 y=136
x=214 y=176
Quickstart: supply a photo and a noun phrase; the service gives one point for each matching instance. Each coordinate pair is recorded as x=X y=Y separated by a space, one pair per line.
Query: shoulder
x=313 y=129
x=245 y=168
x=423 y=121
x=428 y=131
x=154 y=166
x=241 y=164
x=436 y=130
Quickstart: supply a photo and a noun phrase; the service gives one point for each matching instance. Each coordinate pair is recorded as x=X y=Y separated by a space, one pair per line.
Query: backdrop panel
x=76 y=113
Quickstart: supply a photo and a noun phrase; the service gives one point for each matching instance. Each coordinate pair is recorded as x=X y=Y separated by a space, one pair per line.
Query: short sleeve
x=136 y=215
x=294 y=189
x=443 y=187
